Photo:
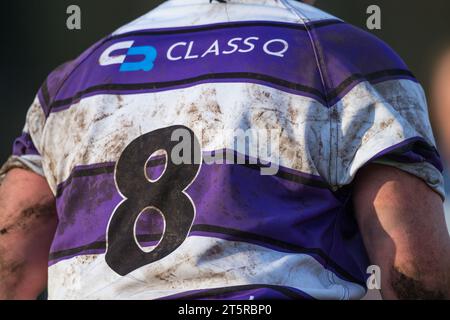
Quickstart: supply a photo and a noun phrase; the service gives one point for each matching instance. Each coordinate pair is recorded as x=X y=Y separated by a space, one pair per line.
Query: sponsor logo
x=146 y=62
x=187 y=50
x=145 y=56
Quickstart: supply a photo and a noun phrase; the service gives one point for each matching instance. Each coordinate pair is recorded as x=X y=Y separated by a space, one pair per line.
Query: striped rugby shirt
x=339 y=98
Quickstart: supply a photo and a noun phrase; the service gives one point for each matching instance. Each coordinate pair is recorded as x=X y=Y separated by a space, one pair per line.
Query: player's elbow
x=421 y=281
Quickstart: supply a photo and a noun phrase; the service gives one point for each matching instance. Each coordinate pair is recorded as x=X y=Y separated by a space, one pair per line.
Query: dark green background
x=34 y=40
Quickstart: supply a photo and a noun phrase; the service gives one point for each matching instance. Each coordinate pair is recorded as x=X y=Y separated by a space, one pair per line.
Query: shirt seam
x=318 y=58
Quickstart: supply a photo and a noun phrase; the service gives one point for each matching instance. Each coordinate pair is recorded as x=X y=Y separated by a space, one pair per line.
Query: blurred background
x=35 y=40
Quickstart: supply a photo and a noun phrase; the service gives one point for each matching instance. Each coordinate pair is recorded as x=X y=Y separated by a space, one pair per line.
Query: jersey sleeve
x=378 y=110
x=26 y=149
x=388 y=124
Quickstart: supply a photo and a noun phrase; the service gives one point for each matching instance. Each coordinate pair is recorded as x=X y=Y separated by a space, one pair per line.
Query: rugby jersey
x=135 y=225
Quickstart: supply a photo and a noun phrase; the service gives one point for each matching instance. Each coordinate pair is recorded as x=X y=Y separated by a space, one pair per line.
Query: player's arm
x=402 y=223
x=27 y=224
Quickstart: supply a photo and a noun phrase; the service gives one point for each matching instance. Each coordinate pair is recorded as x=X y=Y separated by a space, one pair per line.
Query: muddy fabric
x=133 y=224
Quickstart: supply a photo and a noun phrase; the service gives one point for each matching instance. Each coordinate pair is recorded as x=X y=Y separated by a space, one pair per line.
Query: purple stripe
x=23 y=145
x=349 y=54
x=413 y=150
x=49 y=90
x=250 y=292
x=155 y=172
x=227 y=196
x=297 y=67
x=347 y=50
x=64 y=184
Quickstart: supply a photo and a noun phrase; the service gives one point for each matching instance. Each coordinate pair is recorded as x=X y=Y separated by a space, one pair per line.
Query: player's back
x=240 y=220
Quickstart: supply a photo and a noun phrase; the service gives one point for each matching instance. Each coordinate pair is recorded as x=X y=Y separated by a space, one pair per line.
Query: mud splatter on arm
x=404 y=234
x=27 y=225
x=409 y=288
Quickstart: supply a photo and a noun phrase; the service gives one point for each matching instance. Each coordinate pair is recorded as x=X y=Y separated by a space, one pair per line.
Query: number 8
x=167 y=195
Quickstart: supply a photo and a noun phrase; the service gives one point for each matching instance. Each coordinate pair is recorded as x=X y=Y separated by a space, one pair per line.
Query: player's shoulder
x=329 y=29
x=56 y=78
x=344 y=42
x=352 y=45
x=348 y=55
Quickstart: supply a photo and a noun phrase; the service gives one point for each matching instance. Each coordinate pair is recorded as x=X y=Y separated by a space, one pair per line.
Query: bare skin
x=403 y=227
x=27 y=224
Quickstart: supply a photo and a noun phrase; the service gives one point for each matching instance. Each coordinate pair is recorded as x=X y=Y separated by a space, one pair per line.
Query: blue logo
x=148 y=52
x=146 y=63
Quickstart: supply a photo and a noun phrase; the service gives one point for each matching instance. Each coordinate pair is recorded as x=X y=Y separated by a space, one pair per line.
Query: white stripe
x=181 y=13
x=97 y=129
x=370 y=118
x=200 y=263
